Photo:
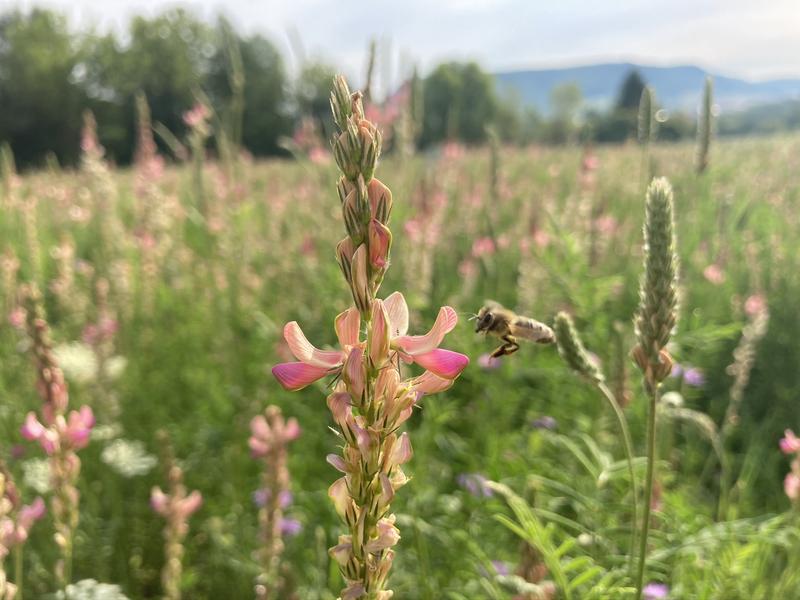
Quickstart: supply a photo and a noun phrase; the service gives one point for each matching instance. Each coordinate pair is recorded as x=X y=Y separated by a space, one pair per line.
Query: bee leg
x=508 y=348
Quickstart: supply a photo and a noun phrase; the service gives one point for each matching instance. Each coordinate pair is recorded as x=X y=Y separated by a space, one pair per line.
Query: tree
x=40 y=94
x=264 y=115
x=312 y=94
x=459 y=101
x=631 y=92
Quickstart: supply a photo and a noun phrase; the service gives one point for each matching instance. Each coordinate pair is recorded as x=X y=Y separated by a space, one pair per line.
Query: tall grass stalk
x=655 y=321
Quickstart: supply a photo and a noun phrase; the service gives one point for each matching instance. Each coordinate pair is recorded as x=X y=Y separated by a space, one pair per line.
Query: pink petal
x=158 y=500
x=379 y=338
x=401 y=451
x=337 y=462
x=258 y=448
x=292 y=430
x=49 y=441
x=29 y=514
x=397 y=309
x=297 y=375
x=444 y=363
x=790 y=443
x=348 y=327
x=260 y=428
x=428 y=383
x=353 y=373
x=340 y=495
x=87 y=416
x=339 y=405
x=31 y=429
x=422 y=344
x=304 y=351
x=191 y=503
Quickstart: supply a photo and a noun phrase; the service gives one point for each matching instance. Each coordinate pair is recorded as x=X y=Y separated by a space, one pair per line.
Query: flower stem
x=648 y=490
x=628 y=445
x=18 y=570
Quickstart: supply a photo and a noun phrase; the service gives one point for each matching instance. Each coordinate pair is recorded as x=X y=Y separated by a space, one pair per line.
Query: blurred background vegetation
x=50 y=73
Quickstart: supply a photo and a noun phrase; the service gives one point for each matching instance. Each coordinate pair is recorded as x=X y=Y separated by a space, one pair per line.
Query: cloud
x=737 y=37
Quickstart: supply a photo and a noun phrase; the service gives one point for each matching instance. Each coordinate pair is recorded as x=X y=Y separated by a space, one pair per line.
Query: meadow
x=167 y=286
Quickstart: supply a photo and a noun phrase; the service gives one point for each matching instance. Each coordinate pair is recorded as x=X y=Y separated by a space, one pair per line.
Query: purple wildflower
x=545 y=422
x=655 y=591
x=291 y=527
x=501 y=567
x=488 y=362
x=475 y=484
x=694 y=377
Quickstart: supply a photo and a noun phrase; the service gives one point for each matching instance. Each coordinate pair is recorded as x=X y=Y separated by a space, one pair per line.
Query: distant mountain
x=677 y=88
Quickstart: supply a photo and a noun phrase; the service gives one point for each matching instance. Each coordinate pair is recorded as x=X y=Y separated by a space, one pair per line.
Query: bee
x=493 y=319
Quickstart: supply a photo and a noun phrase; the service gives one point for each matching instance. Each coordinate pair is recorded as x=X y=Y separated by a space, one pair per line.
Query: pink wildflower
x=714 y=274
x=484 y=246
x=754 y=305
x=790 y=443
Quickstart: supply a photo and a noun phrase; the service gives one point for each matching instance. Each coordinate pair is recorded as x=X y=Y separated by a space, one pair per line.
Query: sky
x=742 y=38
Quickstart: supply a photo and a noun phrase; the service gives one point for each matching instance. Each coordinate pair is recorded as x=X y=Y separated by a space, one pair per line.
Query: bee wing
x=532 y=330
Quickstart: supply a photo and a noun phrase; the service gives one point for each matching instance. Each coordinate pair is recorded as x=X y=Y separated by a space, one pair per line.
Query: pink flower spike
x=305 y=352
x=31 y=429
x=297 y=375
x=380 y=240
x=348 y=327
x=790 y=443
x=415 y=345
x=397 y=309
x=444 y=363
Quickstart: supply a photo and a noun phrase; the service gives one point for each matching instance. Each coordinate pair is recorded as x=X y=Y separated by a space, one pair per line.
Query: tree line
x=50 y=75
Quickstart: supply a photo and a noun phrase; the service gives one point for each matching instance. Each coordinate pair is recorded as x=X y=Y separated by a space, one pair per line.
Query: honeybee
x=493 y=319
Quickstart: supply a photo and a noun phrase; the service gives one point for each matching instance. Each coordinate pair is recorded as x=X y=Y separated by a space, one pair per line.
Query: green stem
x=648 y=490
x=18 y=570
x=628 y=445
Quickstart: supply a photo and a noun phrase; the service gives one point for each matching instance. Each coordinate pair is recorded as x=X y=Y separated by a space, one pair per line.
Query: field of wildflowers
x=148 y=451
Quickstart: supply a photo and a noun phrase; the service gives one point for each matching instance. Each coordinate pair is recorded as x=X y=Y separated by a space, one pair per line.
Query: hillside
x=677 y=88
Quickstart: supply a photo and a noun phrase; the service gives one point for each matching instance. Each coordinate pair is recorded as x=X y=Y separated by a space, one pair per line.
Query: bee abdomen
x=534 y=330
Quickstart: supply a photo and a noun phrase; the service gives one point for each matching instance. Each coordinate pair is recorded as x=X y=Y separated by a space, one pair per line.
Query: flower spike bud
x=380 y=241
x=573 y=351
x=380 y=201
x=379 y=340
x=344 y=256
x=359 y=282
x=341 y=101
x=657 y=313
